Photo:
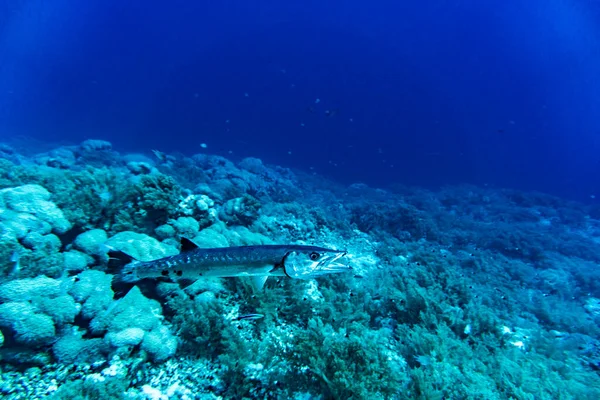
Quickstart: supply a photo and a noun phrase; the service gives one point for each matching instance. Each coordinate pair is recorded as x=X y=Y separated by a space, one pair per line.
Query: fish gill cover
x=449 y=147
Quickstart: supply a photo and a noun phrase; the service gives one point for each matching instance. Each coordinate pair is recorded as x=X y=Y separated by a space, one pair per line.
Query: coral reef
x=463 y=292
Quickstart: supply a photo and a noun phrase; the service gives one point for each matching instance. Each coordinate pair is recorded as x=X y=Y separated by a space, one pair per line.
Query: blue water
x=503 y=94
x=427 y=172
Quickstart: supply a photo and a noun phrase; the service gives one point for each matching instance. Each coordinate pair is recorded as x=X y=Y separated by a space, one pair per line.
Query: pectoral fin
x=258 y=282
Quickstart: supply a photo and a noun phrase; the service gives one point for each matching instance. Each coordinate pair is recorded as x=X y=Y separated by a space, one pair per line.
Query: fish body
x=249 y=317
x=260 y=262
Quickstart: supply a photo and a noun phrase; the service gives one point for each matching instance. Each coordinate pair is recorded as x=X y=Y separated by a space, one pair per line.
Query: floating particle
x=468 y=329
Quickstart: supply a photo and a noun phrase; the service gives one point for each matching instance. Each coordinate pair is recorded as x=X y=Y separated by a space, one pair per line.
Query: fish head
x=309 y=262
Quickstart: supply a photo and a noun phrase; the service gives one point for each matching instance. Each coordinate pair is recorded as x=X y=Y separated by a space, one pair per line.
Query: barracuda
x=257 y=262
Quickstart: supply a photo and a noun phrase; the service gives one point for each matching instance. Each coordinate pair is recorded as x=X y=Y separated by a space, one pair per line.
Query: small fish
x=256 y=262
x=249 y=317
x=160 y=155
x=16 y=258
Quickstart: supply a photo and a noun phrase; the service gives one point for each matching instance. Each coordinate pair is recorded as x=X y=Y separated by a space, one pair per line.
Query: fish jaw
x=303 y=265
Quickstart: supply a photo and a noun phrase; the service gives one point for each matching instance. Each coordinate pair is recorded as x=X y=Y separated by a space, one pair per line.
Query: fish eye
x=314 y=256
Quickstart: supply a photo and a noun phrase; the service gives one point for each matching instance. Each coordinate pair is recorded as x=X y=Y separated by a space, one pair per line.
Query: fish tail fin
x=122 y=266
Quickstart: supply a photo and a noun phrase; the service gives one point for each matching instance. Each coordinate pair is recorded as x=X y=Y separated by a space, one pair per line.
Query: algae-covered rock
x=219 y=235
x=140 y=246
x=160 y=344
x=92 y=145
x=42 y=243
x=76 y=261
x=35 y=200
x=125 y=337
x=134 y=320
x=18 y=225
x=29 y=289
x=30 y=327
x=165 y=231
x=242 y=210
x=132 y=311
x=93 y=291
x=186 y=226
x=211 y=237
x=90 y=242
x=61 y=309
x=158 y=197
x=72 y=348
x=36 y=300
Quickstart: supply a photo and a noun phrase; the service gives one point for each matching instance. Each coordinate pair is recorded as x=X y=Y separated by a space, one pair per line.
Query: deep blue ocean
x=305 y=200
x=504 y=94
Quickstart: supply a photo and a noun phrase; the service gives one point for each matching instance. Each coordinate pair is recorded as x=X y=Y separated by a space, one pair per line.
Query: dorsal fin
x=187 y=245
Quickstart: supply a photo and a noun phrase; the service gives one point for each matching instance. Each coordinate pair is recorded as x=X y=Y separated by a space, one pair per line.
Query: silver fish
x=257 y=262
x=249 y=317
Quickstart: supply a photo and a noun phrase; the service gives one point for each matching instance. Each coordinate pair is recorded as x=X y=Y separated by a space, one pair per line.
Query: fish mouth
x=332 y=264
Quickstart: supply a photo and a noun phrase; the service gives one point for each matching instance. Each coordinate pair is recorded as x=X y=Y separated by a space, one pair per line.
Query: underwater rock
x=33 y=307
x=76 y=261
x=93 y=291
x=29 y=327
x=92 y=145
x=186 y=226
x=34 y=200
x=97 y=153
x=61 y=158
x=72 y=348
x=132 y=311
x=140 y=246
x=156 y=201
x=61 y=309
x=165 y=231
x=254 y=165
x=240 y=211
x=18 y=225
x=20 y=290
x=592 y=306
x=91 y=242
x=134 y=319
x=6 y=149
x=49 y=243
x=125 y=337
x=160 y=344
x=199 y=206
x=139 y=168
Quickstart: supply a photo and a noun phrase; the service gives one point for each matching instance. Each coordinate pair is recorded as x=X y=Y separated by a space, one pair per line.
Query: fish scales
x=294 y=261
x=214 y=262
